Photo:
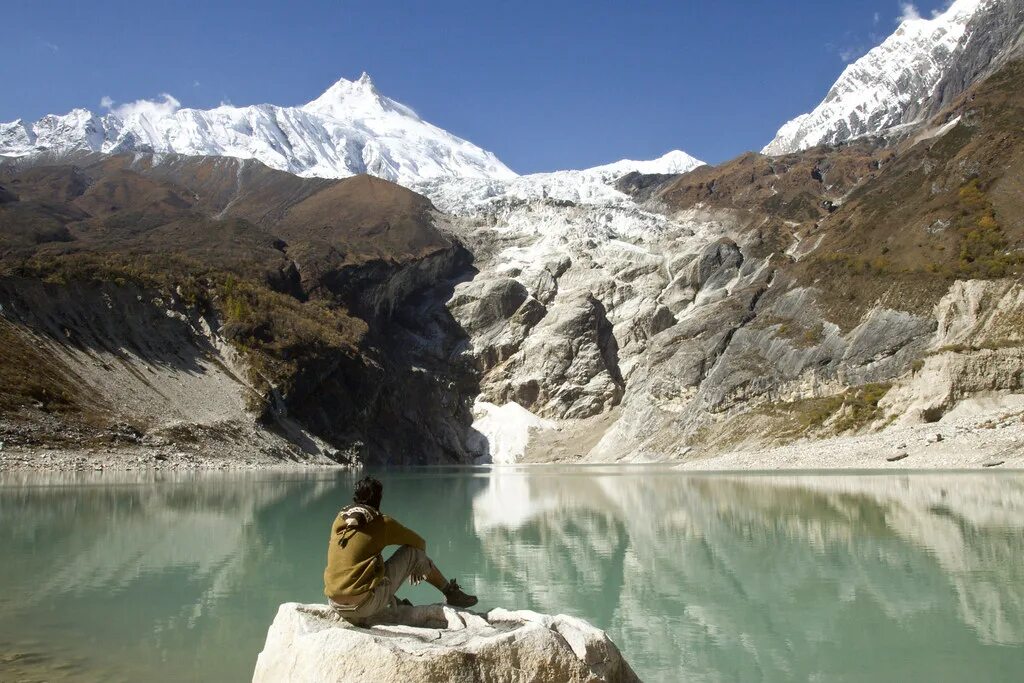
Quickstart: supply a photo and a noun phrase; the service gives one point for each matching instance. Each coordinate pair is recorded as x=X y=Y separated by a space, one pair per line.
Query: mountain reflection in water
x=697 y=577
x=778 y=577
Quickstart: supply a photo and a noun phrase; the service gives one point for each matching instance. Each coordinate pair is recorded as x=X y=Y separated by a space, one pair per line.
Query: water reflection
x=775 y=577
x=128 y=577
x=118 y=577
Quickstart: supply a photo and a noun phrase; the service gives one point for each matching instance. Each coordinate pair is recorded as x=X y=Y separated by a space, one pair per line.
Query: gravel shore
x=962 y=440
x=212 y=456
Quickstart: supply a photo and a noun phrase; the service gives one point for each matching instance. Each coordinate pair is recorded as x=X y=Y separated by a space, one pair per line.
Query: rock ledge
x=310 y=644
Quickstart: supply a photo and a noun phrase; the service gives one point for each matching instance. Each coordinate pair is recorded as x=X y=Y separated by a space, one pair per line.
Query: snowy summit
x=351 y=128
x=890 y=86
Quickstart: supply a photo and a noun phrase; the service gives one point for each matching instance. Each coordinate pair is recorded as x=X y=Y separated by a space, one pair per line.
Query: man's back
x=354 y=562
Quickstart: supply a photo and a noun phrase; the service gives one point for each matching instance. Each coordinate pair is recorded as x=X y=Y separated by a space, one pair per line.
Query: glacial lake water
x=697 y=577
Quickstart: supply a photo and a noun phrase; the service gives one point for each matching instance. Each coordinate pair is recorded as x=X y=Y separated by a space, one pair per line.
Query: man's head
x=368 y=492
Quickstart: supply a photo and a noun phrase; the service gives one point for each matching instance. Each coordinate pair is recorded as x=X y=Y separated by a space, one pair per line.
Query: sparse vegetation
x=860 y=407
x=814 y=335
x=276 y=332
x=859 y=264
x=28 y=378
x=793 y=331
x=280 y=334
x=987 y=345
x=984 y=249
x=853 y=409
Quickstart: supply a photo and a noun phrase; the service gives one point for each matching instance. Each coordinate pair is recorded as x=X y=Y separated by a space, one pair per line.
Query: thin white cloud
x=163 y=106
x=877 y=18
x=53 y=47
x=851 y=54
x=908 y=12
x=196 y=84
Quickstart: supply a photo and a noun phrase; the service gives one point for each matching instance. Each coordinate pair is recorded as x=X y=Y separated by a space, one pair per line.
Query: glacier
x=593 y=186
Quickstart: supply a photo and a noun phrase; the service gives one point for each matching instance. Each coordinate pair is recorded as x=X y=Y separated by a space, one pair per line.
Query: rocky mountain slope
x=918 y=70
x=202 y=300
x=823 y=292
x=182 y=300
x=351 y=128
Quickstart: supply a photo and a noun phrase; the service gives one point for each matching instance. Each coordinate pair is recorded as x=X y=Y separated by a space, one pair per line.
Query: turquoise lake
x=697 y=577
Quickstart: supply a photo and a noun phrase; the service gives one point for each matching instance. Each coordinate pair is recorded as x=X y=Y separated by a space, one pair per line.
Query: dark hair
x=368 y=492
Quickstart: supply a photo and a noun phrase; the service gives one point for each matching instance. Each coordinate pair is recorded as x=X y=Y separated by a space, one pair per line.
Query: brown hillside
x=945 y=207
x=301 y=276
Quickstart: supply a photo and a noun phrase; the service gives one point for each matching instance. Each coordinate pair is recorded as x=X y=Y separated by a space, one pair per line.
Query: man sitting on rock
x=357 y=581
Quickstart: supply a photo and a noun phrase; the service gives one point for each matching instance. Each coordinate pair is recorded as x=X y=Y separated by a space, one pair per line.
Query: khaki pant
x=404 y=563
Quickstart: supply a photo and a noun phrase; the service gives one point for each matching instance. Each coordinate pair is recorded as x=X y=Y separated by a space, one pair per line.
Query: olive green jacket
x=354 y=562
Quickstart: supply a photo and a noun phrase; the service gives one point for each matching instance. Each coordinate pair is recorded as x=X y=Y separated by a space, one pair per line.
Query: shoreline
x=141 y=458
x=963 y=441
x=840 y=455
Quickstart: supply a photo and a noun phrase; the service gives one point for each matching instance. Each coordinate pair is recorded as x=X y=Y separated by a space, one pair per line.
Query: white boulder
x=311 y=644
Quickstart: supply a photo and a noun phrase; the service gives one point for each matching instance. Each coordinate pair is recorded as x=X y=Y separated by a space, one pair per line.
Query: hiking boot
x=454 y=596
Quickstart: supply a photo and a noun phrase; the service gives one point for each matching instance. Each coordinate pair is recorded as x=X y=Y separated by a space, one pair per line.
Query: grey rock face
x=996 y=37
x=666 y=324
x=975 y=350
x=635 y=336
x=568 y=367
x=545 y=319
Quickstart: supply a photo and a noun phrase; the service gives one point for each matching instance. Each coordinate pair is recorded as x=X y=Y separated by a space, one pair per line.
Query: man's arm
x=396 y=534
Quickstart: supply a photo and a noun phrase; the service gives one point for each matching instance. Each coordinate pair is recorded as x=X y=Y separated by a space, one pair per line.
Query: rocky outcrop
x=310 y=644
x=977 y=349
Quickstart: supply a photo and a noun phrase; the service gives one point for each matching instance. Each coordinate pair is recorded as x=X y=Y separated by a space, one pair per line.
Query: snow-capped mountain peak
x=351 y=128
x=676 y=161
x=352 y=99
x=892 y=85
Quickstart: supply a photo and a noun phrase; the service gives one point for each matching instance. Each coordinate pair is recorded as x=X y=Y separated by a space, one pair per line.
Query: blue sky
x=544 y=85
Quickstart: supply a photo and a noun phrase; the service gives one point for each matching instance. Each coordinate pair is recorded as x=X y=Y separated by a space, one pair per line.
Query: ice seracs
x=890 y=86
x=594 y=186
x=351 y=128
